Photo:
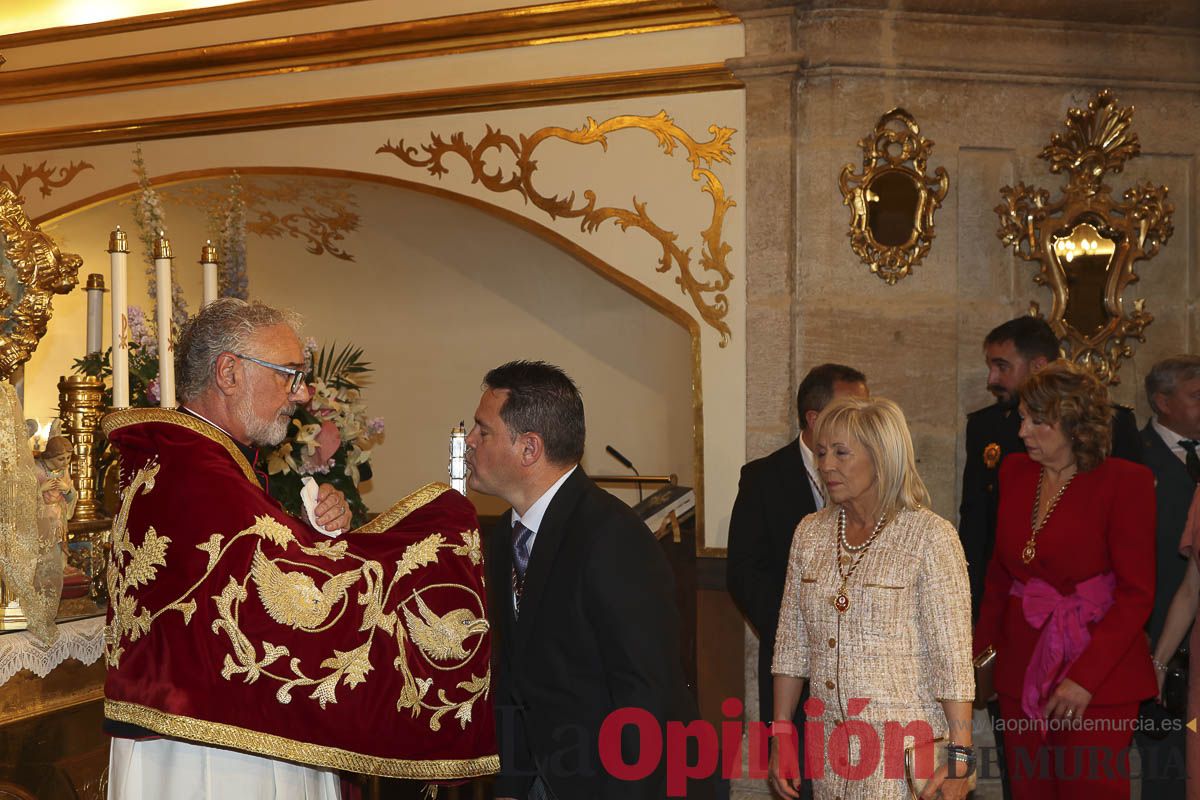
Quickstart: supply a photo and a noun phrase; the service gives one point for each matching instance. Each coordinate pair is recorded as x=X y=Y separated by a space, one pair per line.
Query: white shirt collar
x=532 y=518
x=810 y=468
x=1170 y=437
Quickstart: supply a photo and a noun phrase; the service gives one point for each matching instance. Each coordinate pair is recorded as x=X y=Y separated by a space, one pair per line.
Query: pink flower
x=328 y=441
x=152 y=391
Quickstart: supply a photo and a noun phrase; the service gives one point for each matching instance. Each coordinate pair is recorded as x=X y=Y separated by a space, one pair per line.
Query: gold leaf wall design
x=705 y=286
x=49 y=177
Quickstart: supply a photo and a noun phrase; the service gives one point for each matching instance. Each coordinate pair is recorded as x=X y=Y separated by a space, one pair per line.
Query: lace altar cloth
x=82 y=640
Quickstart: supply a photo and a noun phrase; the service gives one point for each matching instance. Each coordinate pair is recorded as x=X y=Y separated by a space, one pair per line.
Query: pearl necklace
x=1030 y=551
x=841 y=601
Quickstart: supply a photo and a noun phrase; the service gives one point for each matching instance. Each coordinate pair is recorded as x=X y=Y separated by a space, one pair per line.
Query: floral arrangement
x=229 y=223
x=151 y=220
x=331 y=436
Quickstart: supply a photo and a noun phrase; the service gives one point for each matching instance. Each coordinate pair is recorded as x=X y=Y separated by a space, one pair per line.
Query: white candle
x=208 y=260
x=118 y=253
x=95 y=312
x=166 y=355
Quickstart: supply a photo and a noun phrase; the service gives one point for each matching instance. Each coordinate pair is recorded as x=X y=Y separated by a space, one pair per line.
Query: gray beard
x=262 y=433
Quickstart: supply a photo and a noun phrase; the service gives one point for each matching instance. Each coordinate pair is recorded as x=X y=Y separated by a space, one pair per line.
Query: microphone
x=612 y=451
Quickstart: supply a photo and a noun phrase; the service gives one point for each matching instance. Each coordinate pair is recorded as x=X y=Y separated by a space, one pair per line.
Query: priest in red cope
x=251 y=655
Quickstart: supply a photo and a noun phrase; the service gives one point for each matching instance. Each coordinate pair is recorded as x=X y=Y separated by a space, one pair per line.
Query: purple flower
x=375 y=426
x=152 y=391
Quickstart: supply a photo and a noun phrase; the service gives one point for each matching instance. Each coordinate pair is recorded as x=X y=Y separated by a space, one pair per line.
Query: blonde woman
x=876 y=616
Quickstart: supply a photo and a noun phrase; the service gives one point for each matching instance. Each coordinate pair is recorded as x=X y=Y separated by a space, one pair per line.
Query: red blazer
x=1104 y=522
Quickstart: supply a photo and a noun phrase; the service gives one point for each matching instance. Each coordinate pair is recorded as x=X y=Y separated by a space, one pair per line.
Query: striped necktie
x=522 y=547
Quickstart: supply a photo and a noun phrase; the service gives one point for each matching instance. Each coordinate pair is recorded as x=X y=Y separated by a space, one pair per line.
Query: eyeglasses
x=297 y=374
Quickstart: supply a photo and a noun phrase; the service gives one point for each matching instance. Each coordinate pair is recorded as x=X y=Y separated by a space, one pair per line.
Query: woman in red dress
x=1068 y=591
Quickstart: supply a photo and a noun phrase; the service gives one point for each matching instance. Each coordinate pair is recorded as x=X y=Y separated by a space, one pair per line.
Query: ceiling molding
x=440 y=36
x=487 y=97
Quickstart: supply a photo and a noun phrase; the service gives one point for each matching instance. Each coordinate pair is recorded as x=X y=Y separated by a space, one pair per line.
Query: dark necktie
x=1192 y=461
x=522 y=546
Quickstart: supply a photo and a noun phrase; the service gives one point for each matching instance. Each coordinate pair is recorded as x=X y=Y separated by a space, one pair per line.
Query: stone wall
x=988 y=90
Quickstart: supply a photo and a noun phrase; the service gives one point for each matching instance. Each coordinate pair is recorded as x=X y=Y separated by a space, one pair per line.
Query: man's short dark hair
x=542 y=399
x=816 y=390
x=1031 y=336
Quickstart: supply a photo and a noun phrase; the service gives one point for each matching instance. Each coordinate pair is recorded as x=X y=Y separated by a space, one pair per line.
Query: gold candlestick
x=80 y=406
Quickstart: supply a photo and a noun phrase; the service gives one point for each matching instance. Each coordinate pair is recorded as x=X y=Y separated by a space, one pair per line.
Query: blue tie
x=522 y=546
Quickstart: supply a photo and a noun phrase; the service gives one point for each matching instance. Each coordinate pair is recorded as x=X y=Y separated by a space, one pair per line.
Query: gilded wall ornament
x=1085 y=242
x=318 y=214
x=32 y=271
x=706 y=289
x=892 y=202
x=50 y=178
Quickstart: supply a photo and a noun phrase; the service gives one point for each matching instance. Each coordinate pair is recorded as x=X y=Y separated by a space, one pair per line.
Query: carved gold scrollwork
x=32 y=271
x=44 y=174
x=707 y=291
x=1086 y=243
x=892 y=202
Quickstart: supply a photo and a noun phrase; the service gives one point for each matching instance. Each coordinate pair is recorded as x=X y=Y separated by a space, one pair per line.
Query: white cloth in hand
x=308 y=496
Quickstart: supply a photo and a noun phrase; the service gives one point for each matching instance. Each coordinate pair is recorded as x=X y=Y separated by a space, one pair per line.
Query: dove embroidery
x=292 y=598
x=441 y=638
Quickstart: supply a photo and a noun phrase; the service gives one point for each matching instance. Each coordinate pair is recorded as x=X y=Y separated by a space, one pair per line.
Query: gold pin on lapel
x=991 y=455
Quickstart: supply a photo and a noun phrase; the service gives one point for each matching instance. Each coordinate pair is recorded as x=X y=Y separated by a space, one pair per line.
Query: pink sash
x=1063 y=622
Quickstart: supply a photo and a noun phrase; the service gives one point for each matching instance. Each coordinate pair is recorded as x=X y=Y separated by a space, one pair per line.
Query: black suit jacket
x=998 y=425
x=598 y=631
x=1173 y=488
x=774 y=494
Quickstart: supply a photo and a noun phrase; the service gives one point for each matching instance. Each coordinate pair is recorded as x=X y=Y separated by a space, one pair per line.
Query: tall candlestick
x=166 y=355
x=118 y=254
x=95 y=313
x=208 y=260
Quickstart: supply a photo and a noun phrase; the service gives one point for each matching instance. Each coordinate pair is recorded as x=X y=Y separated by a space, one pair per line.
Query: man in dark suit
x=1170 y=439
x=581 y=600
x=1012 y=351
x=774 y=494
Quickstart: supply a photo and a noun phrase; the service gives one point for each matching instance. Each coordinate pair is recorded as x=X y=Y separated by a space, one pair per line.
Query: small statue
x=58 y=495
x=54 y=482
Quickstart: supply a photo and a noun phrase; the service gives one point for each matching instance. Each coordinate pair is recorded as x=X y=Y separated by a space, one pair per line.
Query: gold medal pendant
x=841 y=602
x=1027 y=555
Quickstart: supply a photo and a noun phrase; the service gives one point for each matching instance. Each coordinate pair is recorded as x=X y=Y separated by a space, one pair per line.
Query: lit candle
x=118 y=253
x=166 y=355
x=95 y=313
x=458 y=459
x=208 y=260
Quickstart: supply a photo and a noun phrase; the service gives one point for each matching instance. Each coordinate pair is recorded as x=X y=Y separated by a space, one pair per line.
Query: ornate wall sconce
x=893 y=200
x=1085 y=242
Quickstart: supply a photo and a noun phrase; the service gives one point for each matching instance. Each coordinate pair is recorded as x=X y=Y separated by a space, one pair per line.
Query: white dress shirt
x=1172 y=440
x=532 y=518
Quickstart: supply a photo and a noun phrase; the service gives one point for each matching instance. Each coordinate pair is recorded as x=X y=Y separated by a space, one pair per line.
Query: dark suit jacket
x=998 y=424
x=598 y=631
x=1173 y=488
x=774 y=494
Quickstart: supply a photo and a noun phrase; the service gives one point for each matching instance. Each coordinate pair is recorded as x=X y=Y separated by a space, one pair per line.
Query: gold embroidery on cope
x=309 y=599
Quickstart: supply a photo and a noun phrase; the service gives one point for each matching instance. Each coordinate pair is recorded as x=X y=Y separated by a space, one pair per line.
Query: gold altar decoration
x=51 y=178
x=892 y=202
x=80 y=406
x=32 y=271
x=319 y=215
x=1085 y=242
x=706 y=291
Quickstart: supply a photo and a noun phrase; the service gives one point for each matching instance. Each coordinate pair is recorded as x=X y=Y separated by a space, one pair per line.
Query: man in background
x=1170 y=439
x=774 y=494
